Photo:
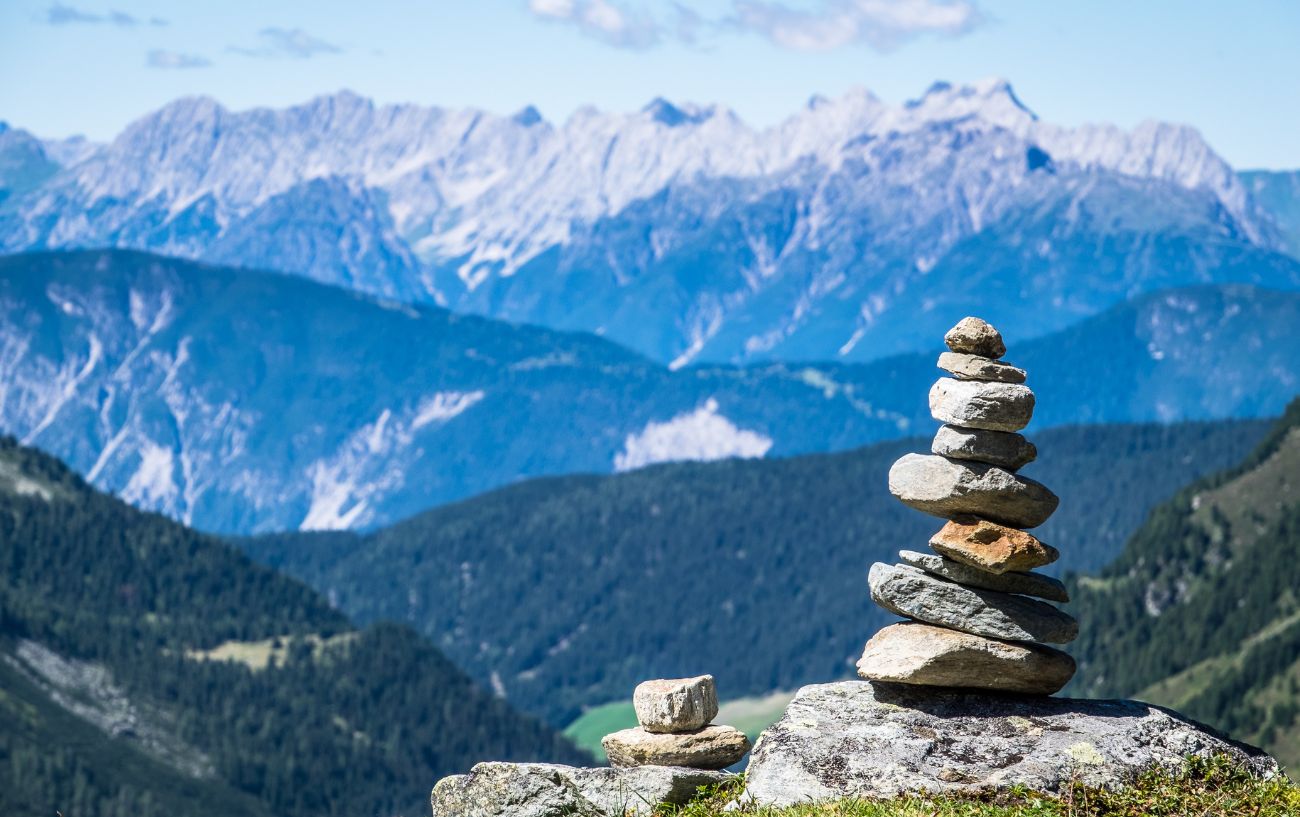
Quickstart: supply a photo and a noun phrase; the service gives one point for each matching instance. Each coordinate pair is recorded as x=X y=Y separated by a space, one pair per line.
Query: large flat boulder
x=1025 y=584
x=550 y=790
x=874 y=740
x=713 y=747
x=953 y=489
x=914 y=653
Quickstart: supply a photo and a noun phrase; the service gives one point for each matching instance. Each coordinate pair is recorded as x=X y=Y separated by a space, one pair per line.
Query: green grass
x=1203 y=788
x=749 y=715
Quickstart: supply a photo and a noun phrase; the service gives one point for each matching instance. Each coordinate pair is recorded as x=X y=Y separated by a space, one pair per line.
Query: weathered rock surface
x=1005 y=449
x=977 y=337
x=916 y=594
x=548 y=790
x=992 y=547
x=676 y=705
x=951 y=488
x=964 y=366
x=976 y=404
x=1026 y=584
x=912 y=653
x=713 y=747
x=865 y=740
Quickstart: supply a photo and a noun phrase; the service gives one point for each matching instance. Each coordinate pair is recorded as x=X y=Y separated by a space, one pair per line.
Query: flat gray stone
x=913 y=653
x=975 y=336
x=549 y=790
x=1005 y=449
x=713 y=747
x=965 y=366
x=857 y=739
x=676 y=705
x=976 y=404
x=916 y=594
x=1025 y=584
x=952 y=489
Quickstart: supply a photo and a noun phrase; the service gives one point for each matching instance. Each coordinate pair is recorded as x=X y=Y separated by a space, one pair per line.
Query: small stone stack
x=974 y=615
x=675 y=728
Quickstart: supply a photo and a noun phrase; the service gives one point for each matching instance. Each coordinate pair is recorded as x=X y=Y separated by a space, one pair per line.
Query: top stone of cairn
x=976 y=337
x=676 y=705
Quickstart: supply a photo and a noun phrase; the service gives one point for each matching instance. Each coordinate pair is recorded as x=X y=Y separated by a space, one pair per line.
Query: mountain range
x=149 y=670
x=241 y=401
x=850 y=231
x=752 y=570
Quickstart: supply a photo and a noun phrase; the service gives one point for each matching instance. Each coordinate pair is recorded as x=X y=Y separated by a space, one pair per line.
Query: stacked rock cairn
x=974 y=608
x=676 y=728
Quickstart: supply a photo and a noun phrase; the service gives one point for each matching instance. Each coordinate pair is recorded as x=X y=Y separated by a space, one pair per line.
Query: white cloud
x=293 y=43
x=881 y=24
x=703 y=434
x=159 y=58
x=603 y=20
x=60 y=14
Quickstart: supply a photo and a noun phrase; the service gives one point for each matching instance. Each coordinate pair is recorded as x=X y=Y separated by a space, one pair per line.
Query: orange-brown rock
x=992 y=547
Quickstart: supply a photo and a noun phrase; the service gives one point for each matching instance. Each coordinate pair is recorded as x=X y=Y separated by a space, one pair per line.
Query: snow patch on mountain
x=703 y=434
x=153 y=484
x=443 y=406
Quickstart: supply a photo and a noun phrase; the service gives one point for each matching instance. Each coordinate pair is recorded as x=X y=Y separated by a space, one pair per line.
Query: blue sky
x=1230 y=69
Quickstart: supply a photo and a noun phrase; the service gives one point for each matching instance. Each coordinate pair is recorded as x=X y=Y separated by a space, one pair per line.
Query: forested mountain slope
x=565 y=592
x=152 y=671
x=204 y=391
x=1201 y=611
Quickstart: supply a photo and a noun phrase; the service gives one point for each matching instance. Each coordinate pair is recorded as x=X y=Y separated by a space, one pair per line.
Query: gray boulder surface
x=675 y=705
x=874 y=740
x=913 y=653
x=1005 y=449
x=976 y=404
x=950 y=488
x=965 y=366
x=1025 y=584
x=713 y=747
x=549 y=790
x=916 y=594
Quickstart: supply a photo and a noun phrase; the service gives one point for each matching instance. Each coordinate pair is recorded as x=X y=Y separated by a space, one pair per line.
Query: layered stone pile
x=676 y=728
x=976 y=609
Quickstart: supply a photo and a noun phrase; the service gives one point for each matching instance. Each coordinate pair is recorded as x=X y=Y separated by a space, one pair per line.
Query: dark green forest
x=1201 y=611
x=121 y=605
x=568 y=591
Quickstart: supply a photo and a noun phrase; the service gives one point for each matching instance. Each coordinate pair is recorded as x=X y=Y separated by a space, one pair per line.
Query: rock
x=547 y=790
x=976 y=337
x=678 y=705
x=916 y=594
x=856 y=739
x=914 y=653
x=713 y=747
x=976 y=404
x=992 y=547
x=973 y=367
x=518 y=790
x=949 y=488
x=1026 y=584
x=1004 y=449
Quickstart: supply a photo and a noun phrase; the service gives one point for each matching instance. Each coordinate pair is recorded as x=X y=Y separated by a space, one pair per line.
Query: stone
x=913 y=653
x=1004 y=449
x=676 y=705
x=916 y=594
x=548 y=790
x=992 y=547
x=975 y=336
x=964 y=366
x=976 y=404
x=713 y=747
x=1025 y=584
x=951 y=488
x=857 y=739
